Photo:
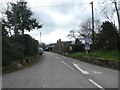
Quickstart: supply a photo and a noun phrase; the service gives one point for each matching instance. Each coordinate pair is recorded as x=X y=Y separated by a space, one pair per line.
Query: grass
x=109 y=55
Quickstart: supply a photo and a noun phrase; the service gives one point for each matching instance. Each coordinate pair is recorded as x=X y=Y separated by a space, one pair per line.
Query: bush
x=16 y=51
x=75 y=47
x=18 y=47
x=30 y=44
x=5 y=51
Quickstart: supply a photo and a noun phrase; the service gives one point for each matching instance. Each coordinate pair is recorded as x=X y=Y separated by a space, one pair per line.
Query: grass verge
x=108 y=59
x=107 y=55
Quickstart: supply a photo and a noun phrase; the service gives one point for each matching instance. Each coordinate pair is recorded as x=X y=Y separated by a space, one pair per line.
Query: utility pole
x=92 y=25
x=8 y=18
x=117 y=14
x=40 y=37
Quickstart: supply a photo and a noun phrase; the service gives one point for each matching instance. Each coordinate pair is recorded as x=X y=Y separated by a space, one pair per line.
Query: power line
x=79 y=15
x=63 y=5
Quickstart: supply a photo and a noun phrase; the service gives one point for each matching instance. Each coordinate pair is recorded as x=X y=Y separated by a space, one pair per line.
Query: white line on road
x=83 y=71
x=96 y=72
x=67 y=65
x=96 y=84
x=57 y=57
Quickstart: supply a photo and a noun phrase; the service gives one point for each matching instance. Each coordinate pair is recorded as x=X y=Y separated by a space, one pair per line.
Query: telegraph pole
x=92 y=25
x=117 y=14
x=40 y=37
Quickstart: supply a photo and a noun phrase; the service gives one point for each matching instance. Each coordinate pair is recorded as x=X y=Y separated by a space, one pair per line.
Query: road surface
x=56 y=71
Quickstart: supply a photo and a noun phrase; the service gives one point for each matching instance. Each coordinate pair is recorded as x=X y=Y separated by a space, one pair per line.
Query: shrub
x=75 y=47
x=18 y=47
x=16 y=51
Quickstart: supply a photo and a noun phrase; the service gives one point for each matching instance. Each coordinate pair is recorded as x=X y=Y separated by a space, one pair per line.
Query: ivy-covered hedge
x=18 y=47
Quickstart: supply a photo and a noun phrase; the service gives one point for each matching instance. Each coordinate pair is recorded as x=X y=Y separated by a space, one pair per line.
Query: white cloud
x=54 y=36
x=50 y=37
x=59 y=20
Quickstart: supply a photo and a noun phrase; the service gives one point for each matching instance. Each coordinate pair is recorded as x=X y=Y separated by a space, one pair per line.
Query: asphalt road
x=56 y=71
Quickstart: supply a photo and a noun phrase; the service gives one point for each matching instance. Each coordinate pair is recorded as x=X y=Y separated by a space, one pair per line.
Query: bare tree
x=86 y=28
x=108 y=9
x=72 y=34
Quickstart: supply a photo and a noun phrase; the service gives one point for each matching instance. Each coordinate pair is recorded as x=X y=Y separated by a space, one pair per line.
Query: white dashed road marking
x=67 y=65
x=83 y=71
x=57 y=57
x=96 y=84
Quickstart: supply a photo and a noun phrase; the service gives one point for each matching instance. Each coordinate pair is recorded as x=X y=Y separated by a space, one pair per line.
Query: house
x=59 y=46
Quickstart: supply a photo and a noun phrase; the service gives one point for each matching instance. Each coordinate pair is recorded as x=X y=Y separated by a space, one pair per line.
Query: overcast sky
x=59 y=17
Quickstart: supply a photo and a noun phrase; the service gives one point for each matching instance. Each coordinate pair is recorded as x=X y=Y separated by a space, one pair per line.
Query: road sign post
x=87 y=44
x=87 y=47
x=70 y=48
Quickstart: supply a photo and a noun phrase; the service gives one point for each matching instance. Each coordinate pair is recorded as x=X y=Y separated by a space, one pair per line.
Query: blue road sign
x=87 y=46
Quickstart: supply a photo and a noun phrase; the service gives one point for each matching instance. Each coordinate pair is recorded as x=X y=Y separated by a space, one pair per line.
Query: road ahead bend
x=56 y=71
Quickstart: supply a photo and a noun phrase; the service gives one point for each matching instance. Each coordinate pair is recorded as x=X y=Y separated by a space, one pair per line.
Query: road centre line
x=67 y=65
x=57 y=57
x=96 y=84
x=83 y=71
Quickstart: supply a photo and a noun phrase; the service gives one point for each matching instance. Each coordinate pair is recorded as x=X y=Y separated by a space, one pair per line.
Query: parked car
x=40 y=51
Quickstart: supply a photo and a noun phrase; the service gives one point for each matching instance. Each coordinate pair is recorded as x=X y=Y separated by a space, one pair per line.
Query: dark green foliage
x=17 y=47
x=79 y=47
x=30 y=45
x=5 y=51
x=19 y=18
x=16 y=51
x=108 y=38
x=77 y=41
x=4 y=31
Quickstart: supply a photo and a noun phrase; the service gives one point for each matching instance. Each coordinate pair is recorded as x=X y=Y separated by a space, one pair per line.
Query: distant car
x=40 y=51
